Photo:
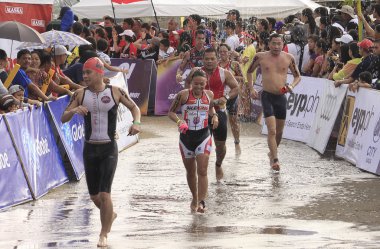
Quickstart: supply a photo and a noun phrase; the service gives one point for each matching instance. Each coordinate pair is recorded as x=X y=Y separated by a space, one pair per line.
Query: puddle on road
x=313 y=203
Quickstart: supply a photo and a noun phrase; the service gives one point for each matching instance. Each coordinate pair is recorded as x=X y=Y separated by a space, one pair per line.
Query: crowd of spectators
x=325 y=44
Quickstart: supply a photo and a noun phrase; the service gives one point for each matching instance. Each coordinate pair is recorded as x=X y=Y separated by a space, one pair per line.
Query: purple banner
x=138 y=80
x=13 y=186
x=38 y=150
x=167 y=87
x=71 y=135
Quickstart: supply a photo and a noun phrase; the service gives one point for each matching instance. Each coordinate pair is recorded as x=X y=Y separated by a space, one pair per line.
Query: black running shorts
x=220 y=133
x=273 y=105
x=100 y=162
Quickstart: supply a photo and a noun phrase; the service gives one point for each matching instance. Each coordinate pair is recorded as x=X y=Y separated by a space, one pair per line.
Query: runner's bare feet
x=114 y=216
x=219 y=172
x=194 y=205
x=102 y=241
x=276 y=165
x=201 y=207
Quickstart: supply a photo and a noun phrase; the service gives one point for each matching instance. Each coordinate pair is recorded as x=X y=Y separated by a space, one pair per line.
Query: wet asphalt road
x=315 y=202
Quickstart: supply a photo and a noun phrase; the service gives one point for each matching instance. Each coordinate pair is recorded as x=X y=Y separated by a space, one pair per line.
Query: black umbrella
x=16 y=31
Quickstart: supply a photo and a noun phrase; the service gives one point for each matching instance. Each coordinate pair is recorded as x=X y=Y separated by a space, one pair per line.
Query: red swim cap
x=95 y=64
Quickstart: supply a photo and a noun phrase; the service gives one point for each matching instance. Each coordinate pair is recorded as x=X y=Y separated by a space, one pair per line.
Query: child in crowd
x=17 y=92
x=165 y=50
x=365 y=80
x=102 y=47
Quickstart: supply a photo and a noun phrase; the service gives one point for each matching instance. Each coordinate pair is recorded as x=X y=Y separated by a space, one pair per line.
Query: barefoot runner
x=98 y=103
x=274 y=67
x=217 y=79
x=195 y=141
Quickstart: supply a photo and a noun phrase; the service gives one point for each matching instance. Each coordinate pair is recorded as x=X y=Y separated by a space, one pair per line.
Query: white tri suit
x=197 y=139
x=100 y=152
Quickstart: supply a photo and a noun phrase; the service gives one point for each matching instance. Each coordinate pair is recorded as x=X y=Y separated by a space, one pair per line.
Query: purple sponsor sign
x=71 y=135
x=166 y=87
x=138 y=80
x=38 y=150
x=13 y=186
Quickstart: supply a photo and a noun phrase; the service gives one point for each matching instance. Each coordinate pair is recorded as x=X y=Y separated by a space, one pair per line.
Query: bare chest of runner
x=274 y=72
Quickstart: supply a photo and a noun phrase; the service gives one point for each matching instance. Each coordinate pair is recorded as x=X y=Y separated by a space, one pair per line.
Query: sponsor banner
x=327 y=113
x=138 y=80
x=301 y=106
x=361 y=145
x=36 y=16
x=124 y=118
x=167 y=87
x=13 y=186
x=71 y=134
x=369 y=156
x=38 y=150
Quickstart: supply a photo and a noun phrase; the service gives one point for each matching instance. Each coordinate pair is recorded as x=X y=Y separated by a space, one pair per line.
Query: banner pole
x=113 y=11
x=19 y=158
x=155 y=15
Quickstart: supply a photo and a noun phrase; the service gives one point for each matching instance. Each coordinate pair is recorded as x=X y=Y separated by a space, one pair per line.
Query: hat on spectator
x=15 y=88
x=347 y=10
x=346 y=38
x=6 y=101
x=279 y=25
x=60 y=50
x=365 y=44
x=127 y=32
x=155 y=41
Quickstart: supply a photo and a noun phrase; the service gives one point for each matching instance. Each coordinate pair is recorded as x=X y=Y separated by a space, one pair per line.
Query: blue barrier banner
x=71 y=134
x=38 y=151
x=13 y=186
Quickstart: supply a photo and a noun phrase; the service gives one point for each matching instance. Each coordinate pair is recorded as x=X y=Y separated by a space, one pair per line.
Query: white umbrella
x=55 y=37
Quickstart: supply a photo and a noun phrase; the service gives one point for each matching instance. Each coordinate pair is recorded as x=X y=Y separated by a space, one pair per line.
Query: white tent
x=273 y=8
x=97 y=9
x=261 y=8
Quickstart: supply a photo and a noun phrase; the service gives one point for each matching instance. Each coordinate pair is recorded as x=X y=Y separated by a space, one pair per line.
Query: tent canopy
x=217 y=8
